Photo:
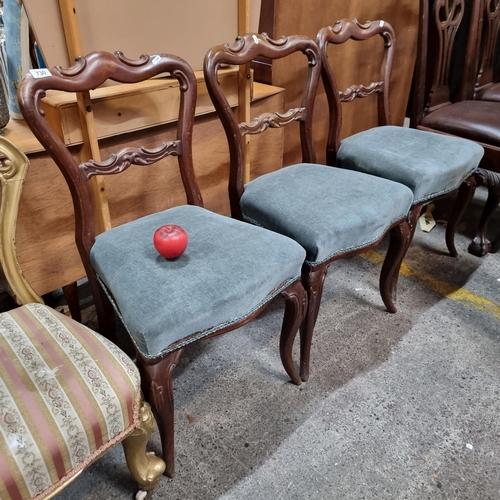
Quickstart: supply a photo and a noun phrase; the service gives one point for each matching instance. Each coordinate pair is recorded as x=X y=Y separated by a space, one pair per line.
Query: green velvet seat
x=335 y=222
x=430 y=164
x=229 y=270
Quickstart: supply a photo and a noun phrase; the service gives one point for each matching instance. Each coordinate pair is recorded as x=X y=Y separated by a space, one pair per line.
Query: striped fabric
x=67 y=394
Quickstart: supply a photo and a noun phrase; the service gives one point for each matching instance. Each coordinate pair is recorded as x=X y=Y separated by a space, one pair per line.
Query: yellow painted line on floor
x=448 y=290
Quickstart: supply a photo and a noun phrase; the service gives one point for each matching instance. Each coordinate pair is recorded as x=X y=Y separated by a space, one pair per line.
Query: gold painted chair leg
x=145 y=466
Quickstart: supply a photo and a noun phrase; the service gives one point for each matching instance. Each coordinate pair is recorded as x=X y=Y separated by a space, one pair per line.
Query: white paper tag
x=381 y=24
x=156 y=59
x=40 y=73
x=255 y=39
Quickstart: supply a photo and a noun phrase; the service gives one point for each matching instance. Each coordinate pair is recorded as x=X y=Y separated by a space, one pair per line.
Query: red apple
x=170 y=241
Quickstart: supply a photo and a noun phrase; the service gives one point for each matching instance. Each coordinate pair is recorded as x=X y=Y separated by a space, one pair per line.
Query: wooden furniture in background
x=307 y=17
x=434 y=109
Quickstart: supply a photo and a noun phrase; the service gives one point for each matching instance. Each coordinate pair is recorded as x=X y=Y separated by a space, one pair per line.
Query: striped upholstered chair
x=67 y=394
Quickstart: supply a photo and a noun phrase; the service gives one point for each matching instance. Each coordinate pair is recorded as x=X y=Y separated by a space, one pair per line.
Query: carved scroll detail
x=8 y=169
x=361 y=91
x=272 y=120
x=143 y=59
x=338 y=26
x=130 y=156
x=79 y=65
x=489 y=179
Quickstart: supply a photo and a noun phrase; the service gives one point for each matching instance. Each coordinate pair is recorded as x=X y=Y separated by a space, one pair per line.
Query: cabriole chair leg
x=313 y=282
x=295 y=311
x=159 y=390
x=145 y=467
x=399 y=243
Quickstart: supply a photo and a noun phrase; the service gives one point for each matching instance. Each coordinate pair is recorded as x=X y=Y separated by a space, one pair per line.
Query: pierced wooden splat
x=491 y=27
x=448 y=15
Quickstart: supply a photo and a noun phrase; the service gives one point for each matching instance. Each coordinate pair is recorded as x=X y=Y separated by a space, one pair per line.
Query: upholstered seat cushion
x=66 y=395
x=229 y=269
x=474 y=120
x=491 y=93
x=327 y=210
x=429 y=164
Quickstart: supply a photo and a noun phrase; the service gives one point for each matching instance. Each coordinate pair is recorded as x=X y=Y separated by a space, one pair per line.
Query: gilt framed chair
x=436 y=110
x=432 y=166
x=228 y=274
x=67 y=394
x=316 y=205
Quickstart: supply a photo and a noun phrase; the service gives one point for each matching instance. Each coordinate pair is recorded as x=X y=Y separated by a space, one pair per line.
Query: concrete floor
x=401 y=406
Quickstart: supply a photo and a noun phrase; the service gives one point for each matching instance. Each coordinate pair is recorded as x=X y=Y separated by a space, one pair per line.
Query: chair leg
x=465 y=195
x=295 y=311
x=104 y=309
x=145 y=467
x=400 y=237
x=480 y=245
x=71 y=295
x=313 y=282
x=159 y=390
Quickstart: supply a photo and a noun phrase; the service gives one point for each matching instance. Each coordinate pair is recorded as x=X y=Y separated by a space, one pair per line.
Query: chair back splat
x=332 y=213
x=229 y=272
x=339 y=33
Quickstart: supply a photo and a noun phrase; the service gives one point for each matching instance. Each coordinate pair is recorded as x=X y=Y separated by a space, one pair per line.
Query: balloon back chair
x=228 y=274
x=67 y=394
x=432 y=166
x=331 y=212
x=435 y=109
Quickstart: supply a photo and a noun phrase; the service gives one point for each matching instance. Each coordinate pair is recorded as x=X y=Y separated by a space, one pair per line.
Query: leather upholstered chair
x=432 y=166
x=436 y=109
x=228 y=274
x=333 y=213
x=67 y=394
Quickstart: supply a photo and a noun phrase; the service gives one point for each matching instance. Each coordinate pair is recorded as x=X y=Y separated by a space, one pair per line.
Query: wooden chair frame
x=351 y=29
x=253 y=46
x=88 y=73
